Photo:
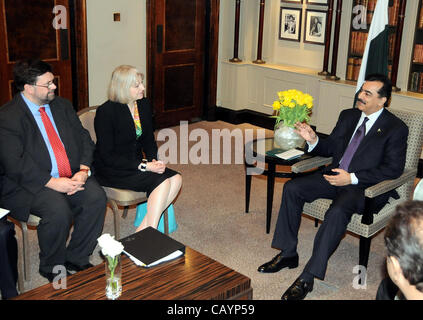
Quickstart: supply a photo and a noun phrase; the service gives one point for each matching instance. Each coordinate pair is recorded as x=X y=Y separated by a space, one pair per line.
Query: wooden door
x=176 y=60
x=27 y=31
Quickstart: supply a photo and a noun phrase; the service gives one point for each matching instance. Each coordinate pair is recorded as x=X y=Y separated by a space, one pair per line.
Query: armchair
x=368 y=224
x=115 y=197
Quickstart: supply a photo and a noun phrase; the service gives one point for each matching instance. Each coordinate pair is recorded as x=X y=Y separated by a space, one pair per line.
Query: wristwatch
x=87 y=171
x=143 y=165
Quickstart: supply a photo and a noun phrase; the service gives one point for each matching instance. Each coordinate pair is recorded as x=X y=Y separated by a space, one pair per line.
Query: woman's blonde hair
x=123 y=78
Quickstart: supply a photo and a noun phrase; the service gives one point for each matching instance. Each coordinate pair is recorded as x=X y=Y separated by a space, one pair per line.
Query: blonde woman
x=126 y=150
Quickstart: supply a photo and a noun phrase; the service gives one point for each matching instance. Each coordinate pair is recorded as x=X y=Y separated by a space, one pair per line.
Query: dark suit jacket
x=380 y=155
x=118 y=151
x=24 y=156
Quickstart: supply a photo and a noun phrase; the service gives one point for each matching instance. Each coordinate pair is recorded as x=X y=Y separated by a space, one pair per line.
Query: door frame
x=210 y=56
x=79 y=53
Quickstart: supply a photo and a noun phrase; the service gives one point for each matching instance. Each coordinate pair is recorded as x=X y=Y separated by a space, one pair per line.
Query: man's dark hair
x=386 y=89
x=26 y=72
x=404 y=240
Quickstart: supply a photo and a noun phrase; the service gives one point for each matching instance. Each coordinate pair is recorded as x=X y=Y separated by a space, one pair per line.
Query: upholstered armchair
x=368 y=224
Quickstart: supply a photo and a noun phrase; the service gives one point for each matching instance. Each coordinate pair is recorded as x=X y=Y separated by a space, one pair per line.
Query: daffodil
x=276 y=105
x=292 y=106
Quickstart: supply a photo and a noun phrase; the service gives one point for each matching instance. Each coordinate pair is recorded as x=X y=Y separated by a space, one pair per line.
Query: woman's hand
x=156 y=166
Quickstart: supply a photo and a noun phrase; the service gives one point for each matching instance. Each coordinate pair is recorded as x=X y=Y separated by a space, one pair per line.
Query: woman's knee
x=176 y=180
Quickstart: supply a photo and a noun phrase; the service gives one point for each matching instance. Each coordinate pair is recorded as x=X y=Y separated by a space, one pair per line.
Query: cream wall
x=245 y=85
x=295 y=65
x=113 y=43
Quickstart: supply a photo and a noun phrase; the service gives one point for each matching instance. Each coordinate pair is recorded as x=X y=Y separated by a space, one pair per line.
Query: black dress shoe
x=51 y=276
x=278 y=263
x=298 y=290
x=74 y=267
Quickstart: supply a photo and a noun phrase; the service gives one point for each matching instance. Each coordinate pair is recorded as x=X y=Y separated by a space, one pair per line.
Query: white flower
x=109 y=246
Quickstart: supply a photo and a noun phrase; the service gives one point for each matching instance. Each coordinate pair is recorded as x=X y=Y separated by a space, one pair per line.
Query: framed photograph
x=315 y=27
x=318 y=2
x=293 y=1
x=290 y=24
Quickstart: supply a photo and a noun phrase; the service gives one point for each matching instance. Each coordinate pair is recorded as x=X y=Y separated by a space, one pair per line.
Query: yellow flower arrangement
x=292 y=106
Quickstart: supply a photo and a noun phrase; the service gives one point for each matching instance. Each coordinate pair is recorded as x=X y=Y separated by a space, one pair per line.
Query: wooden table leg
x=247 y=191
x=270 y=188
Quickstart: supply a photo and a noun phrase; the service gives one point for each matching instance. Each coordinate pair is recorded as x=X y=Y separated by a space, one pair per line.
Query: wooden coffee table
x=193 y=276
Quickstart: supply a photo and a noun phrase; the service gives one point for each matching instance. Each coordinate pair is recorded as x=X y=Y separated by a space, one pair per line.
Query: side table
x=261 y=149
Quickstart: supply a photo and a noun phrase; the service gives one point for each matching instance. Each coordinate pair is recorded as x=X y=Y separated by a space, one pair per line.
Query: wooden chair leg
x=125 y=212
x=364 y=251
x=316 y=222
x=25 y=246
x=166 y=221
x=116 y=218
x=21 y=267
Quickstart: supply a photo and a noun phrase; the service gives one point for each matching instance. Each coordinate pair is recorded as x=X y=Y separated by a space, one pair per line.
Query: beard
x=49 y=97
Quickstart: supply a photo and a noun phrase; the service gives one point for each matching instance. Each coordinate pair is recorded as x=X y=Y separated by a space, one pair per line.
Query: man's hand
x=65 y=185
x=343 y=178
x=81 y=176
x=156 y=166
x=305 y=131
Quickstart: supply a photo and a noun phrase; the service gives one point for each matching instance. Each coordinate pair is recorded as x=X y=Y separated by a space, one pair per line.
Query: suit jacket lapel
x=352 y=124
x=20 y=103
x=380 y=125
x=60 y=121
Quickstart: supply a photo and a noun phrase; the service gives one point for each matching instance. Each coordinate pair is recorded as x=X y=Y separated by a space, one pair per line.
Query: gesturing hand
x=305 y=131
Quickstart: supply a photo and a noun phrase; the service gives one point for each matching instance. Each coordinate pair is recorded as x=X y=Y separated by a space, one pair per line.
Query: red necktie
x=59 y=150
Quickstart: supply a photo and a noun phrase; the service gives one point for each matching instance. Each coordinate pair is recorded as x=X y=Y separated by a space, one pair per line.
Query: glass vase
x=286 y=138
x=113 y=277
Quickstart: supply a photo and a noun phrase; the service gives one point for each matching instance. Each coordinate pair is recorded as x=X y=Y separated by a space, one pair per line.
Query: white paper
x=3 y=212
x=290 y=154
x=171 y=256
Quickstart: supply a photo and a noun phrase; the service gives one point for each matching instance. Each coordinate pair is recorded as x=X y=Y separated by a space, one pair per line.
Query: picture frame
x=318 y=2
x=292 y=1
x=290 y=24
x=315 y=27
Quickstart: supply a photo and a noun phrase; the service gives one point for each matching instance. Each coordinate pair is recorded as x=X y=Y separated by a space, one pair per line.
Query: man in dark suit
x=46 y=156
x=368 y=145
x=8 y=259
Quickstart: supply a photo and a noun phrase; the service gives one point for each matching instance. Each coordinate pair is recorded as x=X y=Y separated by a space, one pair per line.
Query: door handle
x=159 y=38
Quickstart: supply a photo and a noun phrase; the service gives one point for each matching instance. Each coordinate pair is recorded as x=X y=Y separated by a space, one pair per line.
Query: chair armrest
x=388 y=185
x=311 y=163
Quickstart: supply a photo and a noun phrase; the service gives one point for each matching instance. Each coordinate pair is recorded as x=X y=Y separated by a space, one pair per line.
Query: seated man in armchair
x=368 y=145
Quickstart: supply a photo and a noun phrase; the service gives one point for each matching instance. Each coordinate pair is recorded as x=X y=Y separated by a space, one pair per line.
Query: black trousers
x=8 y=260
x=58 y=211
x=346 y=201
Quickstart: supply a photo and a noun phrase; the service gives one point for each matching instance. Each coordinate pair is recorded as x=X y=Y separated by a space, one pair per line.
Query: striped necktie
x=59 y=150
x=352 y=147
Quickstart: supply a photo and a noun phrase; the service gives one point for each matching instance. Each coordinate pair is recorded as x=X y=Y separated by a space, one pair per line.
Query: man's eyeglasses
x=47 y=85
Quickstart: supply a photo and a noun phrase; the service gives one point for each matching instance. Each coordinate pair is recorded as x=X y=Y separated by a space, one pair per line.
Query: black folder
x=149 y=246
